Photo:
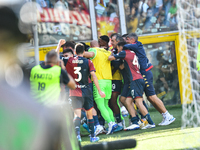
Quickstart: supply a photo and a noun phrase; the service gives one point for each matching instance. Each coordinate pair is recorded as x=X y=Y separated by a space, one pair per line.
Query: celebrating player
x=136 y=85
x=80 y=68
x=145 y=69
x=99 y=57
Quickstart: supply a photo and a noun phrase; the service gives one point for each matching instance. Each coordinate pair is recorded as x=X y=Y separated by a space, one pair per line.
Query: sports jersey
x=79 y=68
x=101 y=63
x=138 y=48
x=130 y=63
x=45 y=83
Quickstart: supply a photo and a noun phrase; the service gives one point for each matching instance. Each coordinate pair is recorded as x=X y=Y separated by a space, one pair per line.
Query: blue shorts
x=91 y=86
x=116 y=86
x=82 y=102
x=136 y=88
x=125 y=90
x=149 y=88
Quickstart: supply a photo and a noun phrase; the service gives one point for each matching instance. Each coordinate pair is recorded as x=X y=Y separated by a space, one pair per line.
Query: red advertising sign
x=64 y=16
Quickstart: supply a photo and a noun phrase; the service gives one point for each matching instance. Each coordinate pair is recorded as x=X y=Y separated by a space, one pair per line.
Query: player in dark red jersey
x=80 y=68
x=145 y=69
x=136 y=86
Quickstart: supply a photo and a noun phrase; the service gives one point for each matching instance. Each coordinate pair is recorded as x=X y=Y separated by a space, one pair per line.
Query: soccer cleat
x=94 y=139
x=132 y=127
x=112 y=127
x=142 y=123
x=85 y=126
x=167 y=121
x=119 y=128
x=98 y=129
x=148 y=126
x=79 y=138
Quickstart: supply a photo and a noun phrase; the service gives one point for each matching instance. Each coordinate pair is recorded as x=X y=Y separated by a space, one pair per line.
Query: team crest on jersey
x=132 y=93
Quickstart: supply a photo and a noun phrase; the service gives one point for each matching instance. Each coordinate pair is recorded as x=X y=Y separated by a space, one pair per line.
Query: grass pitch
x=170 y=137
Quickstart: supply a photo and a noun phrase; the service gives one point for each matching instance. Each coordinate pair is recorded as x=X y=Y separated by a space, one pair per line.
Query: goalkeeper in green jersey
x=198 y=58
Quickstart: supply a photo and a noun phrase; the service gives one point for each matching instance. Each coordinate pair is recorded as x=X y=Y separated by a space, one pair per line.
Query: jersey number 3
x=77 y=71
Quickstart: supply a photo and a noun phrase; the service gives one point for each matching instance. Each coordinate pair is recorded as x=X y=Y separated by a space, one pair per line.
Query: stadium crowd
x=99 y=77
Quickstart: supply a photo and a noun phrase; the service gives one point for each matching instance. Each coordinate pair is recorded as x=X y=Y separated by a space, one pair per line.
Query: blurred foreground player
x=25 y=125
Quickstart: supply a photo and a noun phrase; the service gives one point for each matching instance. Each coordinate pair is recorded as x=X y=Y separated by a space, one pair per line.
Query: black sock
x=134 y=120
x=118 y=118
x=91 y=126
x=77 y=123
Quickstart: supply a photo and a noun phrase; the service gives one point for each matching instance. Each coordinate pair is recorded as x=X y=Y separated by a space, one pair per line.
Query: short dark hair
x=133 y=35
x=52 y=57
x=125 y=35
x=119 y=38
x=68 y=50
x=121 y=43
x=79 y=48
x=69 y=44
x=105 y=38
x=86 y=46
x=114 y=34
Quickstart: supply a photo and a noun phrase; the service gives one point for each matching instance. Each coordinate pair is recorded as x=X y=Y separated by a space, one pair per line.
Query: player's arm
x=62 y=65
x=88 y=54
x=95 y=80
x=68 y=80
x=91 y=53
x=60 y=43
x=110 y=58
x=120 y=55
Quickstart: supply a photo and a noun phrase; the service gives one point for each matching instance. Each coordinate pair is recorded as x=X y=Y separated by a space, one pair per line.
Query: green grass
x=159 y=138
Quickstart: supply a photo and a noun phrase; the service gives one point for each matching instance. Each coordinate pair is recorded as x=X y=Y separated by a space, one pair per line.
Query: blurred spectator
x=172 y=15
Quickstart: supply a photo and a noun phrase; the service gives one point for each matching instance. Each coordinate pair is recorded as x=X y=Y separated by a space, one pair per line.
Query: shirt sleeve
x=120 y=55
x=91 y=66
x=64 y=77
x=132 y=47
x=93 y=50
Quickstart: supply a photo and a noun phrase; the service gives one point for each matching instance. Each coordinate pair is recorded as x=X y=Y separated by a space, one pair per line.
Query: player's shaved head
x=51 y=57
x=94 y=43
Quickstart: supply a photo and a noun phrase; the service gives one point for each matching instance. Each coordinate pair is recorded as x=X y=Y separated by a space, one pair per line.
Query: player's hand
x=61 y=42
x=62 y=64
x=102 y=94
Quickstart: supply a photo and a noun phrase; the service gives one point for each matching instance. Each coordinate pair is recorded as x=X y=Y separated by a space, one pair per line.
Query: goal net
x=188 y=17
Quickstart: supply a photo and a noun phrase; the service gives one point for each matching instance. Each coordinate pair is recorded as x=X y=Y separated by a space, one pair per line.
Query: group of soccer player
x=104 y=76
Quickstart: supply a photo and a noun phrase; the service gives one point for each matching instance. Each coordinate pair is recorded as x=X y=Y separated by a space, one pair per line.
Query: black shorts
x=125 y=90
x=136 y=88
x=116 y=86
x=82 y=102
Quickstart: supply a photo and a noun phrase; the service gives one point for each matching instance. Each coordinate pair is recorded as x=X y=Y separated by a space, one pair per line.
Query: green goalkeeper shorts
x=105 y=86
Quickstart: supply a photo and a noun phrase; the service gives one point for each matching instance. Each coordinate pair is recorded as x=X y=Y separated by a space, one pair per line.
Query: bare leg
x=130 y=107
x=157 y=103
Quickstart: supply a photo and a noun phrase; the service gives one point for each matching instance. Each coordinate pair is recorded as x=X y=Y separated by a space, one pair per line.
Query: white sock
x=120 y=124
x=166 y=114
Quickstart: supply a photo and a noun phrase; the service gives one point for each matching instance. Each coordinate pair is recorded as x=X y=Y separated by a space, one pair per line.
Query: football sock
x=118 y=118
x=91 y=126
x=96 y=120
x=77 y=123
x=147 y=116
x=134 y=120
